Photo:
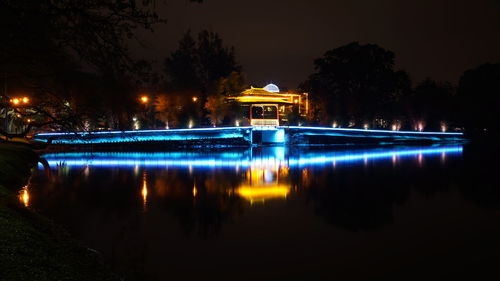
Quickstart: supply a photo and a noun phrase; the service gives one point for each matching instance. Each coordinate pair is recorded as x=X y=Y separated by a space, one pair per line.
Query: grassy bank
x=31 y=246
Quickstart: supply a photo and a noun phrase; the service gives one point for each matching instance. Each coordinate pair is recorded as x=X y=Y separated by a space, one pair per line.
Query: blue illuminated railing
x=244 y=135
x=142 y=131
x=377 y=131
x=103 y=137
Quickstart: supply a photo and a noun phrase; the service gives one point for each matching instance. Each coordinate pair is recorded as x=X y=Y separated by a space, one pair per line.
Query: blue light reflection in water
x=270 y=156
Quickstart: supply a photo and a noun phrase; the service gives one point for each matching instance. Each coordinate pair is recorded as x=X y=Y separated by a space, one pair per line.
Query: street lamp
x=144 y=99
x=195 y=99
x=18 y=101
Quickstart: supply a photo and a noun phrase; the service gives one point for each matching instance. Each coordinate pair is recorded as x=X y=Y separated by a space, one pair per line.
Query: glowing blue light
x=147 y=135
x=241 y=133
x=373 y=155
x=232 y=160
x=142 y=131
x=377 y=131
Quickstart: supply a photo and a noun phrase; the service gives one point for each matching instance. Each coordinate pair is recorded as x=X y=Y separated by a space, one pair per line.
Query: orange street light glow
x=24 y=196
x=144 y=99
x=26 y=100
x=195 y=99
x=15 y=101
x=144 y=191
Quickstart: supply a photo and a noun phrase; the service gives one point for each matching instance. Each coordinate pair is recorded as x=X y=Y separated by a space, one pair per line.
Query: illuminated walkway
x=245 y=136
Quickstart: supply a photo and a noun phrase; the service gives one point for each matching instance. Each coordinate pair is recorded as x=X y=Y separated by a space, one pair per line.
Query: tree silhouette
x=47 y=43
x=479 y=99
x=432 y=103
x=356 y=83
x=199 y=64
x=203 y=68
x=219 y=110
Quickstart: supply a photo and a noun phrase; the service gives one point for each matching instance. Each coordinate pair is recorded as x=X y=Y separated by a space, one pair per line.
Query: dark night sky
x=277 y=41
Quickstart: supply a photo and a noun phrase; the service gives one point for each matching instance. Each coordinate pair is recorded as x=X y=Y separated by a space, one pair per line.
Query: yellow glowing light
x=144 y=190
x=195 y=99
x=26 y=100
x=144 y=99
x=15 y=101
x=24 y=196
x=262 y=192
x=263 y=99
x=195 y=191
x=365 y=126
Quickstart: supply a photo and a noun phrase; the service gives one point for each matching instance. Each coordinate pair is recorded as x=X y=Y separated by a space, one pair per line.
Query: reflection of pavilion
x=268 y=107
x=265 y=181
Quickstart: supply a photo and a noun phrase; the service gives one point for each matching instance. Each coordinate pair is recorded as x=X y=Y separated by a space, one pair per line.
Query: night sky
x=277 y=41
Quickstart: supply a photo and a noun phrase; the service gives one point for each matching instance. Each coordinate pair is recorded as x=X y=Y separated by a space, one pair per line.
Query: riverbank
x=32 y=246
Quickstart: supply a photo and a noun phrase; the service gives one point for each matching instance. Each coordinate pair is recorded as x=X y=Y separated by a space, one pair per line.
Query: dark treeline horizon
x=80 y=75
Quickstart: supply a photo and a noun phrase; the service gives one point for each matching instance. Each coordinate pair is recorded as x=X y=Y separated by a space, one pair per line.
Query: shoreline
x=34 y=247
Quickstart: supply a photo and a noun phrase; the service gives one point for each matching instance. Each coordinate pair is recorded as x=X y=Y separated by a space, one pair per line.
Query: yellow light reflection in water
x=265 y=181
x=255 y=193
x=24 y=196
x=195 y=191
x=144 y=190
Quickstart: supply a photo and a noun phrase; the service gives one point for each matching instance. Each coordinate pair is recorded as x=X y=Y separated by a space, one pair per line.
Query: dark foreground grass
x=31 y=246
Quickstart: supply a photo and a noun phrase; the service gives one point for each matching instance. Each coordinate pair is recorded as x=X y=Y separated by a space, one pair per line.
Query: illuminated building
x=269 y=107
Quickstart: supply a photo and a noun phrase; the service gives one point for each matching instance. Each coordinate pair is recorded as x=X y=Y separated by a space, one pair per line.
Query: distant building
x=268 y=107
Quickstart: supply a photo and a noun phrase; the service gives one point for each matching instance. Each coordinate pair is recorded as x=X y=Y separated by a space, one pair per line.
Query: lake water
x=351 y=213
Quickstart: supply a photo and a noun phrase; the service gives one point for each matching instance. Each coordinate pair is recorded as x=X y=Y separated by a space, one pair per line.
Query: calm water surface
x=410 y=213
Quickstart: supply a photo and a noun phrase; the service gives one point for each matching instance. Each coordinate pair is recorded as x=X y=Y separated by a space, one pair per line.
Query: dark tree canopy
x=198 y=64
x=50 y=48
x=47 y=33
x=432 y=104
x=479 y=98
x=356 y=82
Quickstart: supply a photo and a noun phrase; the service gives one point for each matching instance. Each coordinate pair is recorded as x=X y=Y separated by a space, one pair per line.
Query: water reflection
x=144 y=190
x=24 y=196
x=266 y=178
x=204 y=190
x=270 y=156
x=185 y=215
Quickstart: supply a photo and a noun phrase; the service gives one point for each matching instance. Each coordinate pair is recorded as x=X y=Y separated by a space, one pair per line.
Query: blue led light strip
x=376 y=131
x=126 y=160
x=142 y=131
x=250 y=127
